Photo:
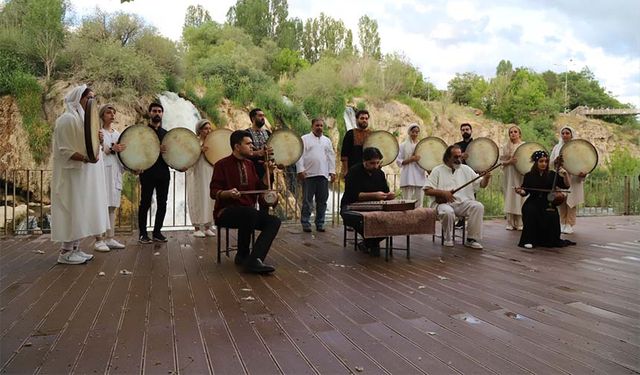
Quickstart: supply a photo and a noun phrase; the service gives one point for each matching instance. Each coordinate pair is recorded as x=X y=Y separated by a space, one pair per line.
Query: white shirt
x=410 y=174
x=318 y=158
x=443 y=178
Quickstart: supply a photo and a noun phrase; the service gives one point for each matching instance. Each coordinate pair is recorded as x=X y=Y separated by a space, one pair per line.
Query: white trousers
x=473 y=211
x=70 y=245
x=413 y=192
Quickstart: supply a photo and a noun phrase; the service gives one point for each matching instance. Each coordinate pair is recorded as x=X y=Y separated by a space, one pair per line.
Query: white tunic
x=113 y=169
x=199 y=202
x=318 y=158
x=512 y=178
x=443 y=178
x=410 y=174
x=576 y=196
x=78 y=194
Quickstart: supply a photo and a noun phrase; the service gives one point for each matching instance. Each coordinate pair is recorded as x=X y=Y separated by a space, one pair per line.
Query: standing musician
x=231 y=176
x=316 y=168
x=512 y=201
x=442 y=181
x=351 y=152
x=412 y=177
x=259 y=137
x=198 y=180
x=365 y=182
x=539 y=215
x=465 y=131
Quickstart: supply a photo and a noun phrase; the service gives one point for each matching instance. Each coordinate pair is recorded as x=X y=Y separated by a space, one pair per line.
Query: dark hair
x=537 y=155
x=466 y=124
x=362 y=112
x=316 y=119
x=254 y=112
x=448 y=152
x=237 y=137
x=370 y=153
x=154 y=105
x=86 y=92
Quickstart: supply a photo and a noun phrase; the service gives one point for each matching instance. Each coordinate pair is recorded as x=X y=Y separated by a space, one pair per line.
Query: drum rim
x=495 y=147
x=595 y=151
x=209 y=135
x=528 y=156
x=441 y=141
x=297 y=137
x=392 y=137
x=91 y=110
x=120 y=138
x=177 y=130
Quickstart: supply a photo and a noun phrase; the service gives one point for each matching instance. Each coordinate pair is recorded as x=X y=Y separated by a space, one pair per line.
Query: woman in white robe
x=199 y=176
x=568 y=209
x=113 y=170
x=412 y=177
x=78 y=194
x=512 y=178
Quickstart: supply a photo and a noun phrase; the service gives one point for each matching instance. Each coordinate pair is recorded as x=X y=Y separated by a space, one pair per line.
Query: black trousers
x=354 y=220
x=161 y=185
x=246 y=219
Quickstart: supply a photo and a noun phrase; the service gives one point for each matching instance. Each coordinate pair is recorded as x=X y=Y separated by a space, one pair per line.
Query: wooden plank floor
x=327 y=309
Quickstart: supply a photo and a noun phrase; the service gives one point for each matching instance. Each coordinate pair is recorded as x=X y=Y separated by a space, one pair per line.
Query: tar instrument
x=441 y=200
x=269 y=196
x=92 y=130
x=287 y=147
x=579 y=156
x=523 y=156
x=182 y=148
x=483 y=153
x=430 y=150
x=390 y=205
x=218 y=145
x=143 y=147
x=386 y=143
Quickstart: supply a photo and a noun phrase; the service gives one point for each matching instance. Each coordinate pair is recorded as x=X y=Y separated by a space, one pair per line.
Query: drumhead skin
x=217 y=143
x=143 y=147
x=523 y=155
x=386 y=143
x=183 y=148
x=430 y=150
x=287 y=147
x=579 y=156
x=92 y=130
x=483 y=154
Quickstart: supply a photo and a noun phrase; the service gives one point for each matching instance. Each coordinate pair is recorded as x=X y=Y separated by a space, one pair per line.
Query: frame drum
x=386 y=143
x=430 y=150
x=523 y=155
x=92 y=130
x=483 y=153
x=579 y=156
x=143 y=147
x=183 y=148
x=287 y=147
x=218 y=146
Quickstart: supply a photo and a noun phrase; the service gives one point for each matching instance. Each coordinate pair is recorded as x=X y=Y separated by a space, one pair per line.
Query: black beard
x=260 y=123
x=466 y=136
x=156 y=119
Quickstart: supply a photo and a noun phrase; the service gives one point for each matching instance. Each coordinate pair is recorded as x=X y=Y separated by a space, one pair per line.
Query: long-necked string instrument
x=441 y=200
x=555 y=196
x=268 y=196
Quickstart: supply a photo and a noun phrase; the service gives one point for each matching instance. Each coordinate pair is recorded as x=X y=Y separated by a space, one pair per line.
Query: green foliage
x=467 y=88
x=369 y=37
x=320 y=89
x=196 y=16
x=622 y=163
x=540 y=129
x=325 y=36
x=262 y=19
x=418 y=107
x=287 y=62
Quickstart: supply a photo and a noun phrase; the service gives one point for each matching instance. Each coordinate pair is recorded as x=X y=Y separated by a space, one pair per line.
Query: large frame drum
x=579 y=156
x=386 y=143
x=523 y=155
x=287 y=147
x=483 y=153
x=92 y=130
x=183 y=148
x=143 y=147
x=218 y=145
x=430 y=150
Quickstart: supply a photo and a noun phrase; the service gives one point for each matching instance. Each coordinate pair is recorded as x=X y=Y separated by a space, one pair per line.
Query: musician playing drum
x=198 y=180
x=365 y=182
x=465 y=131
x=447 y=177
x=539 y=215
x=231 y=176
x=412 y=177
x=512 y=201
x=353 y=141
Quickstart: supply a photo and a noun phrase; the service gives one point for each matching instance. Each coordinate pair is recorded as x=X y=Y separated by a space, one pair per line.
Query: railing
x=26 y=200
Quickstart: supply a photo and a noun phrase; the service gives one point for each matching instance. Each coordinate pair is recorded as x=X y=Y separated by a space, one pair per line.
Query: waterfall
x=350 y=118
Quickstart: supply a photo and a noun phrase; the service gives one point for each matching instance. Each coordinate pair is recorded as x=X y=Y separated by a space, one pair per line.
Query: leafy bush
x=417 y=107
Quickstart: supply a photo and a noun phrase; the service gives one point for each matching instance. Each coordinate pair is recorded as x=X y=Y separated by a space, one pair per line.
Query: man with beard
x=155 y=178
x=465 y=131
x=259 y=137
x=351 y=152
x=441 y=182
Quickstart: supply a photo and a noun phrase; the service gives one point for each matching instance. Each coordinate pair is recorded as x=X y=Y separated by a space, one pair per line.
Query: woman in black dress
x=539 y=216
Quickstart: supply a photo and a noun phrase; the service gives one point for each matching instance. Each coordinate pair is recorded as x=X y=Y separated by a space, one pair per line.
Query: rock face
x=14 y=144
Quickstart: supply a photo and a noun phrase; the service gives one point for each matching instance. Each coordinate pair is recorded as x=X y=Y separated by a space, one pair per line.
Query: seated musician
x=442 y=181
x=231 y=176
x=365 y=182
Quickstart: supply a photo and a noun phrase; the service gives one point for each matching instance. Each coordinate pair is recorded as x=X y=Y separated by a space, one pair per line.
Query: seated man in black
x=365 y=182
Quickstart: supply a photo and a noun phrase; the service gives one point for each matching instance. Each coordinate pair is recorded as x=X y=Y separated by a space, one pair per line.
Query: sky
x=443 y=37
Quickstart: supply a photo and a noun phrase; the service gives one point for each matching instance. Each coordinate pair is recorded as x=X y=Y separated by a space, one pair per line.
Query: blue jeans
x=318 y=187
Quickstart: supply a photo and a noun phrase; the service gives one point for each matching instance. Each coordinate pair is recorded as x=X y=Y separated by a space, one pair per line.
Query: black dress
x=540 y=218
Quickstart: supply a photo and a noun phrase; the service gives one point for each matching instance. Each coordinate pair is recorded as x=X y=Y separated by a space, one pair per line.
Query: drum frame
x=583 y=141
x=527 y=156
x=91 y=114
x=181 y=129
x=371 y=135
x=210 y=135
x=297 y=137
x=120 y=141
x=495 y=146
x=424 y=140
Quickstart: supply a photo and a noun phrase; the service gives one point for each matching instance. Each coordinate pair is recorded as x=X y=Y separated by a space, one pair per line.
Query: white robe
x=410 y=174
x=512 y=178
x=199 y=202
x=78 y=194
x=113 y=169
x=576 y=196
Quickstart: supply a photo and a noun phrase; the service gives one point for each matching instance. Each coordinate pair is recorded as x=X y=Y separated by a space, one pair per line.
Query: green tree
x=196 y=16
x=466 y=88
x=261 y=19
x=504 y=68
x=369 y=37
x=622 y=163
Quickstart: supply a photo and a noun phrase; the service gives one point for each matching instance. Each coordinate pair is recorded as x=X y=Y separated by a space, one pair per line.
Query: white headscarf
x=408 y=146
x=72 y=102
x=556 y=149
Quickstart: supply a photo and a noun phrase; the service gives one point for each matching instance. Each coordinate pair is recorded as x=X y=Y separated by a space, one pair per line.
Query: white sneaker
x=209 y=233
x=70 y=257
x=473 y=244
x=447 y=243
x=101 y=246
x=568 y=229
x=199 y=234
x=563 y=228
x=83 y=254
x=509 y=227
x=520 y=228
x=113 y=244
x=528 y=246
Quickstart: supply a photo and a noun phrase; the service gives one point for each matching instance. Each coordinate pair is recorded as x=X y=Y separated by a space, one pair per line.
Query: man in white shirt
x=316 y=168
x=441 y=182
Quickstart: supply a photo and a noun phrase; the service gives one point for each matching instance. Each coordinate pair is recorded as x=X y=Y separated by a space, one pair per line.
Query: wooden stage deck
x=327 y=309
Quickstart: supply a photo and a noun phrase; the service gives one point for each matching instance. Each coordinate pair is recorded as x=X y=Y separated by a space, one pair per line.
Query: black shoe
x=158 y=237
x=144 y=239
x=362 y=247
x=256 y=266
x=320 y=229
x=306 y=229
x=459 y=224
x=374 y=251
x=239 y=259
